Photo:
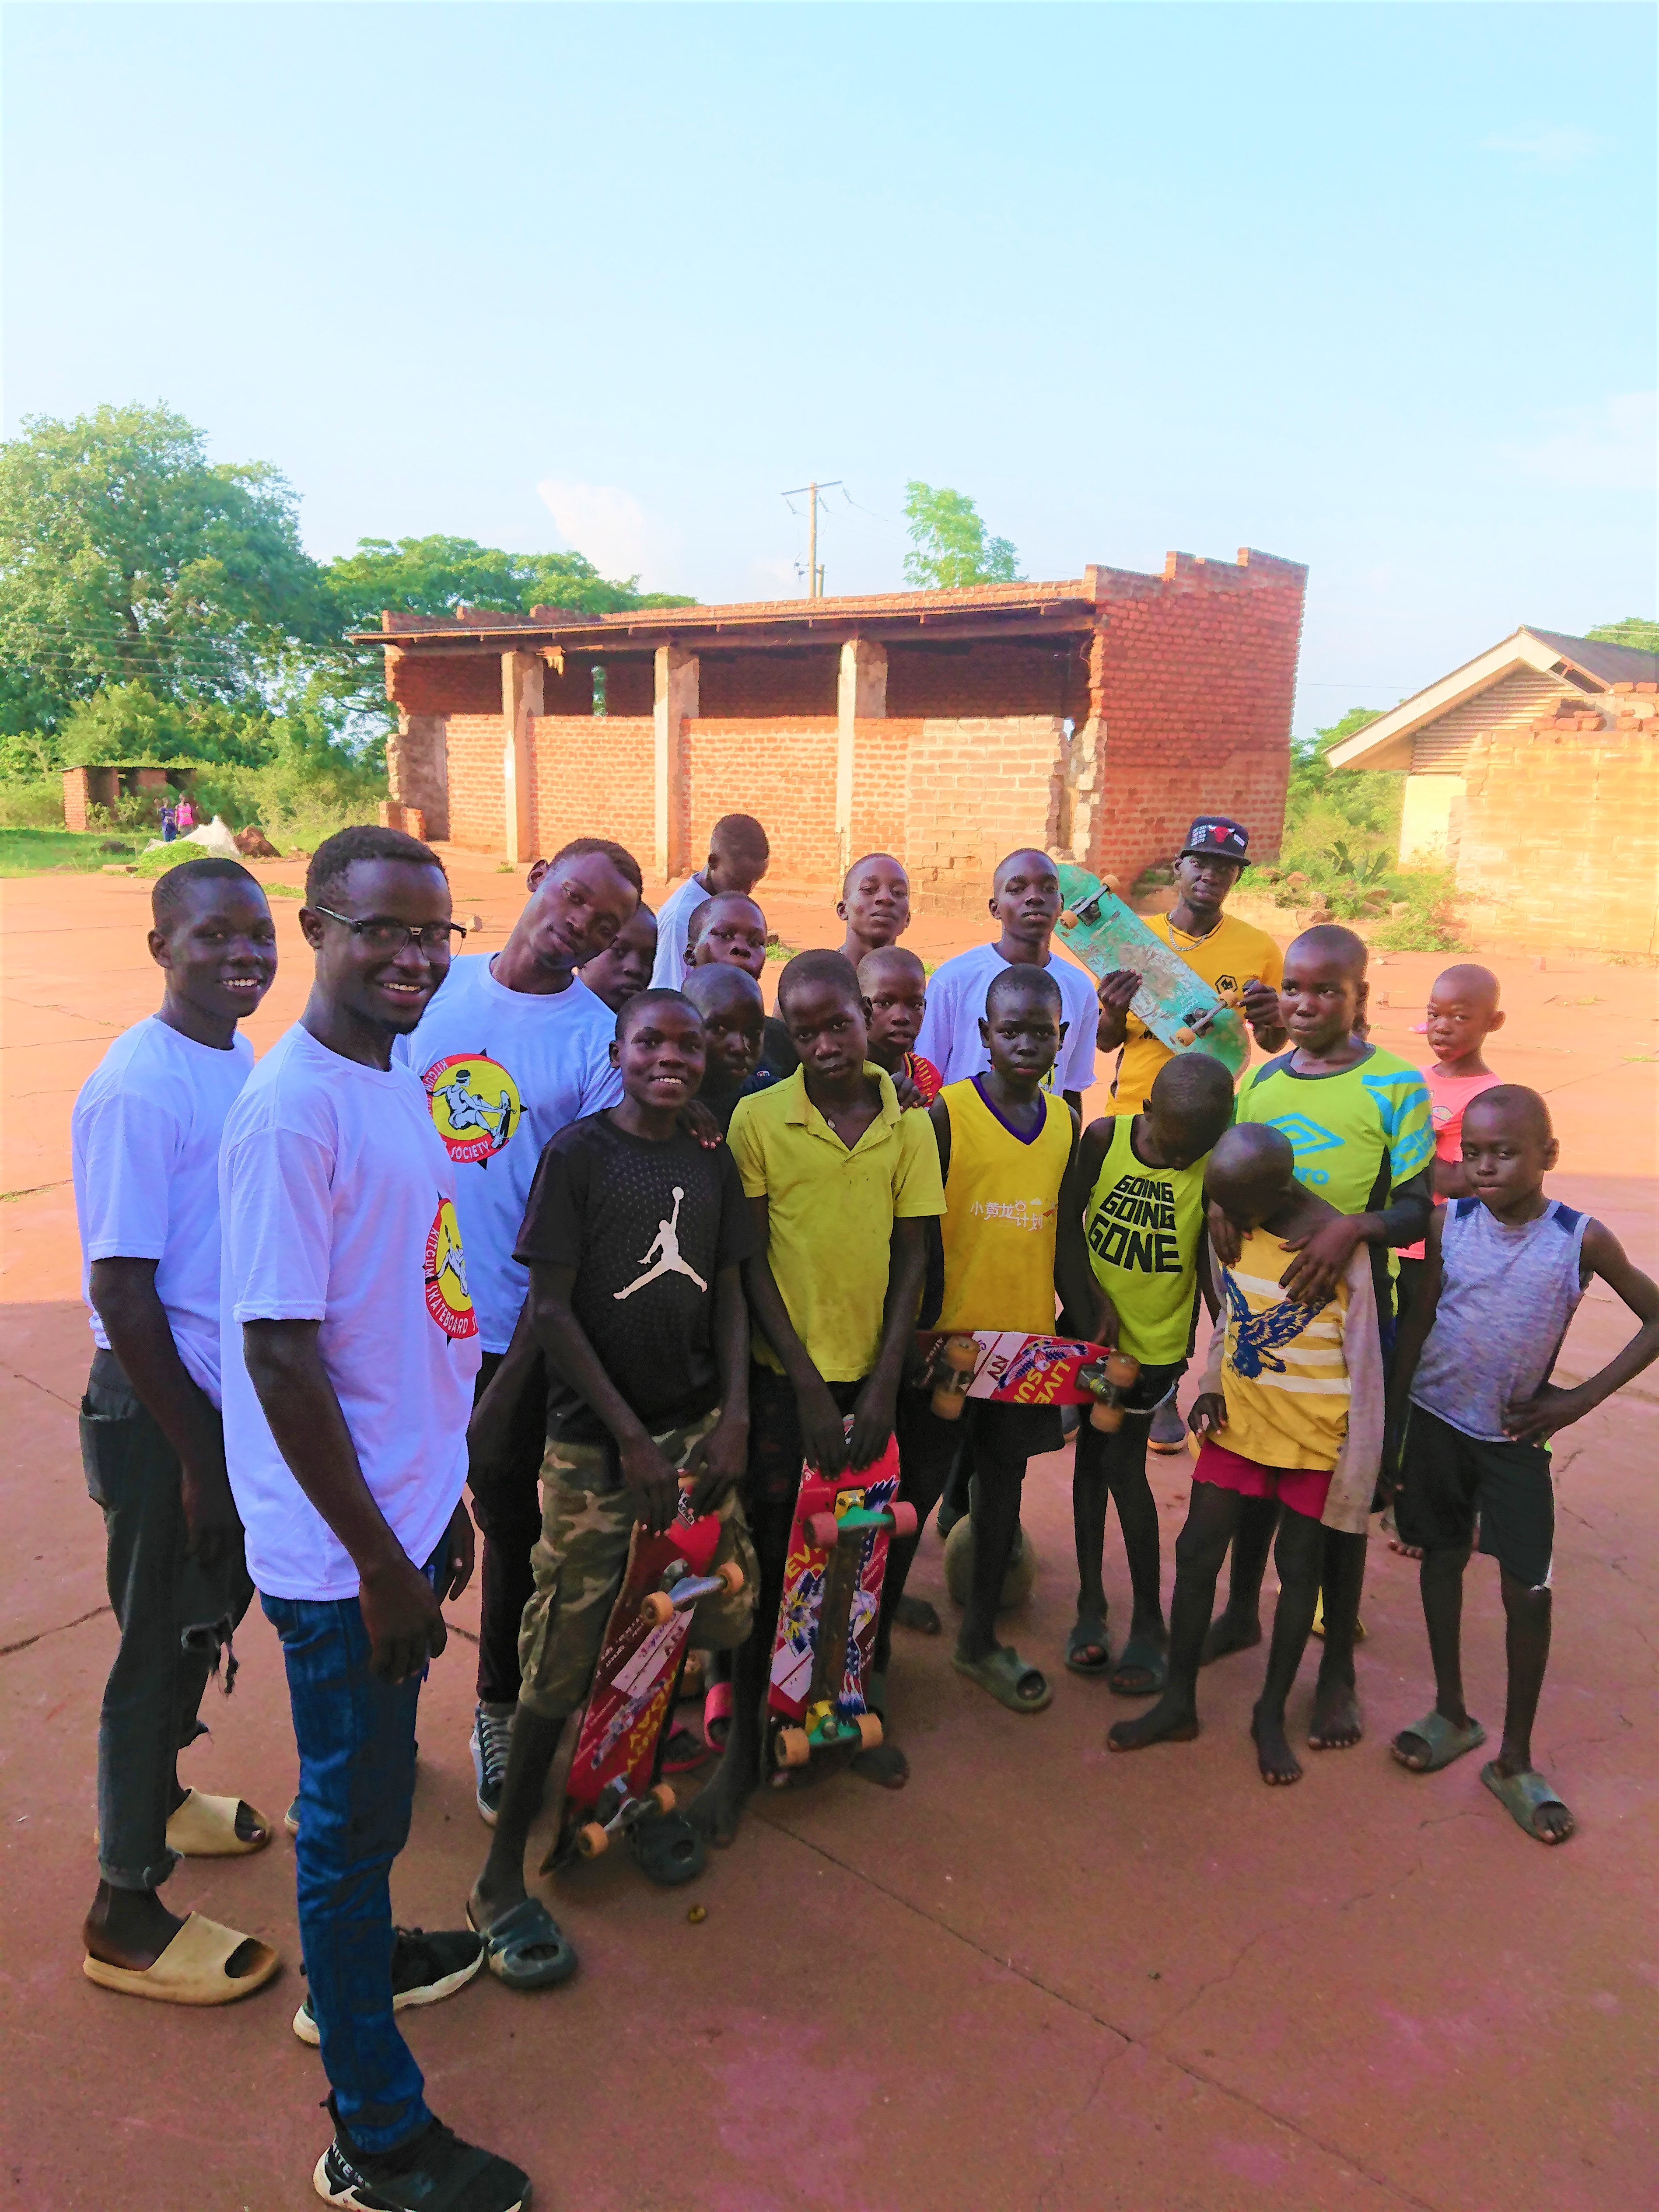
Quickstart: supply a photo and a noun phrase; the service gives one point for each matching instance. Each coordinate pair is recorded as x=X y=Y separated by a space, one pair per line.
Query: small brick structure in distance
x=1094 y=716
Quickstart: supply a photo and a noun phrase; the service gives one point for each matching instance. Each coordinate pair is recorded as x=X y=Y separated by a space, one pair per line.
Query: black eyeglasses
x=382 y=936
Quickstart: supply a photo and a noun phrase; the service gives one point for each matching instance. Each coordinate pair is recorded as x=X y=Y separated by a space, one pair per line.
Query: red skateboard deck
x=612 y=1782
x=826 y=1631
x=1007 y=1367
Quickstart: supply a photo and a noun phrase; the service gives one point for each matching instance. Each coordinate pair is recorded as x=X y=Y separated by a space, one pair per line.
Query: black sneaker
x=492 y=1739
x=425 y=1969
x=435 y=2172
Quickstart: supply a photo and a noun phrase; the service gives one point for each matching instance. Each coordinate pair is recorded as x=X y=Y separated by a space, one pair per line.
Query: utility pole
x=814 y=573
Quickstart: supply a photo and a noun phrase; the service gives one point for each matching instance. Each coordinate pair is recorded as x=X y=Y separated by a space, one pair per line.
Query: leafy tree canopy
x=1366 y=801
x=434 y=576
x=948 y=544
x=1635 y=629
x=127 y=557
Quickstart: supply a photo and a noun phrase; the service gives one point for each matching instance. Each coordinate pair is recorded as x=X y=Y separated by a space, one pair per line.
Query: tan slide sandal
x=191 y=1971
x=205 y=1827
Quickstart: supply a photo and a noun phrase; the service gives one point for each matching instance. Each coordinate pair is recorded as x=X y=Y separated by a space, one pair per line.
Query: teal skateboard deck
x=1178 y=1006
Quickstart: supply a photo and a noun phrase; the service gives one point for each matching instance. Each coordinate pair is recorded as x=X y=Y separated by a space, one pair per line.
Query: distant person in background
x=875 y=904
x=185 y=816
x=169 y=822
x=738 y=857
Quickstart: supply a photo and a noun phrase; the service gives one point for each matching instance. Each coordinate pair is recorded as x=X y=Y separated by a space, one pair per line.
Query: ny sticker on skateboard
x=1005 y=1367
x=612 y=1786
x=1177 y=1004
x=832 y=1578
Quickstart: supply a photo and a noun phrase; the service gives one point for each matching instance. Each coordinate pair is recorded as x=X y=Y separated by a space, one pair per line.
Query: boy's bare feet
x=1230 y=1633
x=1171 y=1720
x=1548 y=1819
x=1274 y=1755
x=1337 y=1723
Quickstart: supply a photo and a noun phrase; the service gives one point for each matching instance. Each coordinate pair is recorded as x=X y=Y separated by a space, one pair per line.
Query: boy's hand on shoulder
x=1321 y=1255
x=1530 y=1420
x=872 y=1424
x=652 y=1484
x=1209 y=1414
x=1223 y=1235
x=821 y=1428
x=717 y=1460
x=907 y=1091
x=696 y=1121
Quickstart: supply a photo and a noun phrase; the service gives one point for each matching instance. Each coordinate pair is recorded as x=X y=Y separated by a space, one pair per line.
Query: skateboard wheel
x=656 y=1607
x=869 y=1730
x=904 y=1520
x=592 y=1839
x=663 y=1792
x=947 y=1403
x=961 y=1354
x=823 y=1530
x=794 y=1748
x=1122 y=1369
x=1186 y=1036
x=1068 y=920
x=731 y=1574
x=1109 y=883
x=1109 y=1420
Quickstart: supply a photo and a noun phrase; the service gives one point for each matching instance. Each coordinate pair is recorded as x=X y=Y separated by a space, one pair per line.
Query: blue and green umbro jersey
x=1358 y=1135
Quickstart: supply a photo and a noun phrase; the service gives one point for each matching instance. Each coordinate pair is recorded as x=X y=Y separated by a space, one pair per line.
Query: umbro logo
x=1305 y=1136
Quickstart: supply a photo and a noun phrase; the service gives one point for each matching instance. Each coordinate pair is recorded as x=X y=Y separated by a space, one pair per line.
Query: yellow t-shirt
x=1142 y=1227
x=1231 y=955
x=831 y=1214
x=1002 y=1193
x=1284 y=1374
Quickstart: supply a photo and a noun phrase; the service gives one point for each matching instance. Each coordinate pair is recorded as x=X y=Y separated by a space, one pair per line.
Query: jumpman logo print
x=663 y=1256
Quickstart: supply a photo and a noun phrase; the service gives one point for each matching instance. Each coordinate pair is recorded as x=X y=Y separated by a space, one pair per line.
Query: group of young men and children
x=585 y=1199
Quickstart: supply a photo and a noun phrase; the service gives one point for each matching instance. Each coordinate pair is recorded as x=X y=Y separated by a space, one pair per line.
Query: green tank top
x=1143 y=1226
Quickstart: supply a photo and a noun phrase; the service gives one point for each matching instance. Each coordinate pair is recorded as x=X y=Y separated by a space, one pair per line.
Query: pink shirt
x=1449 y=1095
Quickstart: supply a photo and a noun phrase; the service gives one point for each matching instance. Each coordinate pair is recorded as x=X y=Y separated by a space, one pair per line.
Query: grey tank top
x=1506 y=1296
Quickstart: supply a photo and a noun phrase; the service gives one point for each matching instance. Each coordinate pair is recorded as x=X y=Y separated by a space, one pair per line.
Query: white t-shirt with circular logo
x=505 y=1071
x=338 y=1206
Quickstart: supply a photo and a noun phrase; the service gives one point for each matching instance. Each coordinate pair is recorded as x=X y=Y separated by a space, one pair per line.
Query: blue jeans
x=356 y=1739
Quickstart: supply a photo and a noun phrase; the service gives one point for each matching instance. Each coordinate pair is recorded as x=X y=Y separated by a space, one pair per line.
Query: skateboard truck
x=827 y=1529
x=956 y=1358
x=1107 y=1379
x=1088 y=909
x=623 y=1812
x=686 y=1590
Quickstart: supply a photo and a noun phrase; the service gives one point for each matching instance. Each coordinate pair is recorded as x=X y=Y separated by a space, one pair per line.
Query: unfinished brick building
x=1094 y=716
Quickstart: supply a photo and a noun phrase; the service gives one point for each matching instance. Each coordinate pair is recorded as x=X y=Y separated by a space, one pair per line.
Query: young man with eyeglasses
x=349 y=1348
x=511 y=1049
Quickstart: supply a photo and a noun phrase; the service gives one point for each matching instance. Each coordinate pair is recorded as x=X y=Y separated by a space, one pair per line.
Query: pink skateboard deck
x=1005 y=1367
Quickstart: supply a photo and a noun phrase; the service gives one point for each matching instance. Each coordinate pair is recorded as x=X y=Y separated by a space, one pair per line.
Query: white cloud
x=1606 y=447
x=1552 y=146
x=611 y=528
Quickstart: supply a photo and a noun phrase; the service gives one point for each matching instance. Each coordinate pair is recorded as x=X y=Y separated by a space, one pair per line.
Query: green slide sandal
x=1007 y=1678
x=1444 y=1740
x=1524 y=1797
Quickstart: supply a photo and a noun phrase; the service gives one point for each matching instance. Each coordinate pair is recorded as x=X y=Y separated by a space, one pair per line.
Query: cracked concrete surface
x=1038 y=1978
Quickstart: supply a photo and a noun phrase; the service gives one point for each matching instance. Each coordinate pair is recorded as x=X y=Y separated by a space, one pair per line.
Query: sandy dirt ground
x=1039 y=1976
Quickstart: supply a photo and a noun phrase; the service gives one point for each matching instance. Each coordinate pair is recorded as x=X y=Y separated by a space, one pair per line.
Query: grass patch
x=285 y=890
x=45 y=851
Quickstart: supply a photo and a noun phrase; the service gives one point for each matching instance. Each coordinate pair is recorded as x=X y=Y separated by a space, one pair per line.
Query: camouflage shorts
x=581 y=1556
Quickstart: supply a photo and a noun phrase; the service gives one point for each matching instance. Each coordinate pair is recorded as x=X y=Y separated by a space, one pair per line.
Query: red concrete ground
x=1039 y=1977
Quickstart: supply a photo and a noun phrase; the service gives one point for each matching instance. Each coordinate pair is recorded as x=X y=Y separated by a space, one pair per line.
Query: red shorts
x=1304 y=1489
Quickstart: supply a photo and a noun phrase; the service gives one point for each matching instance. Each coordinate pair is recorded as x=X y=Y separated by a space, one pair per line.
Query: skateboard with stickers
x=612 y=1788
x=1176 y=1004
x=1007 y=1367
x=832 y=1579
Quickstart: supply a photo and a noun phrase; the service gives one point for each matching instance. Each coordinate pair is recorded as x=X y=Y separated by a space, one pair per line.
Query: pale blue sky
x=1371 y=287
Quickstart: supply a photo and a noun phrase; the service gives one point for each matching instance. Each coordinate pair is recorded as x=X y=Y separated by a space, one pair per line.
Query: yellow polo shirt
x=831 y=1214
x=1231 y=955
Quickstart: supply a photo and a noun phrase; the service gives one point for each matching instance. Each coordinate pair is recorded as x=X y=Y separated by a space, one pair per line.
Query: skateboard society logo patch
x=447 y=1299
x=475 y=1105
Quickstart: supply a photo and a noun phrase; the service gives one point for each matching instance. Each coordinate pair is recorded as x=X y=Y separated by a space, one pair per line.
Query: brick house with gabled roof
x=1532 y=772
x=1095 y=716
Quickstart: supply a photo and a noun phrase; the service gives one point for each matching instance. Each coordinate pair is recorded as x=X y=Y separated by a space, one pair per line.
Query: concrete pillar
x=860 y=695
x=676 y=703
x=522 y=697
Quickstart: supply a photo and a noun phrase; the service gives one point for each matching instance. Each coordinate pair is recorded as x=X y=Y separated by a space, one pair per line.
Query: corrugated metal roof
x=1613 y=663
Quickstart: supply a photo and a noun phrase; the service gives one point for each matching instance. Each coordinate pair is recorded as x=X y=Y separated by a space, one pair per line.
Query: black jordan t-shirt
x=648 y=1227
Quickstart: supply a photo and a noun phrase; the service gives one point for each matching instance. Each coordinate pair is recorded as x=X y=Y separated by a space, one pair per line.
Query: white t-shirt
x=339 y=1206
x=672 y=916
x=956 y=1006
x=145 y=1140
x=505 y=1071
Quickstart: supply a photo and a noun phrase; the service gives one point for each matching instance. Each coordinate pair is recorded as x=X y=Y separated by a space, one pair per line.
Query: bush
x=31 y=803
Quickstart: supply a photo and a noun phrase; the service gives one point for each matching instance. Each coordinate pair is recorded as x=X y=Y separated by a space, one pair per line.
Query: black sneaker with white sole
x=425 y=1970
x=435 y=2172
x=492 y=1740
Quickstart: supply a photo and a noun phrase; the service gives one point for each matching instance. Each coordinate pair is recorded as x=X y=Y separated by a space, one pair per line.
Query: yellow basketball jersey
x=1002 y=1199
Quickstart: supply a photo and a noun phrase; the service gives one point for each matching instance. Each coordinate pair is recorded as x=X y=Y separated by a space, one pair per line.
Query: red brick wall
x=455 y=684
x=1194 y=677
x=730 y=688
x=478 y=815
x=591 y=776
x=989 y=679
x=881 y=760
x=976 y=788
x=780 y=769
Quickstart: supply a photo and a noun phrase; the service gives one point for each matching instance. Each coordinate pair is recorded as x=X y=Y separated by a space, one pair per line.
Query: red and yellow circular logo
x=475 y=1104
x=447 y=1299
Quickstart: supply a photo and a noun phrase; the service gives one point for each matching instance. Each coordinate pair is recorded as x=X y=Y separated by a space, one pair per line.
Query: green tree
x=1322 y=802
x=127 y=557
x=434 y=576
x=948 y=544
x=1635 y=629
